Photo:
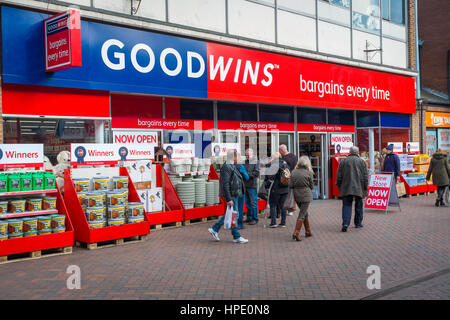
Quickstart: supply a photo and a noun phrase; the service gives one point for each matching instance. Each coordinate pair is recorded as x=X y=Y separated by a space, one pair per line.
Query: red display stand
x=431 y=187
x=209 y=211
x=173 y=206
x=81 y=226
x=414 y=190
x=332 y=186
x=40 y=242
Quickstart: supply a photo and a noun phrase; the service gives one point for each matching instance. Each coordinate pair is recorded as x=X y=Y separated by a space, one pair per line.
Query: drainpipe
x=418 y=85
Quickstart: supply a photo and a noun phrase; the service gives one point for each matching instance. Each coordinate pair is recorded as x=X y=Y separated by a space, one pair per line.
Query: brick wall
x=433 y=18
x=411 y=36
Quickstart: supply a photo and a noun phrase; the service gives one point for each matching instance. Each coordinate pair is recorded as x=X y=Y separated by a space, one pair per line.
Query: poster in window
x=431 y=142
x=444 y=139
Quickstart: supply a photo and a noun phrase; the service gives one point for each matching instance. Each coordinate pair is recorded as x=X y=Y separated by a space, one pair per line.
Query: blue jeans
x=240 y=206
x=251 y=202
x=234 y=231
x=347 y=202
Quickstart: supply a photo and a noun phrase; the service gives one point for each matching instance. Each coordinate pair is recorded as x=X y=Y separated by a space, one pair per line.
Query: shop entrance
x=313 y=145
x=263 y=143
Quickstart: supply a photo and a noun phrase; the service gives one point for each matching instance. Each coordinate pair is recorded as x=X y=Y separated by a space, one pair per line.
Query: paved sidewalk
x=186 y=263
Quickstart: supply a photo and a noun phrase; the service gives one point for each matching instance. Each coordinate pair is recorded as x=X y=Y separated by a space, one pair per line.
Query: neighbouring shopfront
x=438 y=132
x=194 y=92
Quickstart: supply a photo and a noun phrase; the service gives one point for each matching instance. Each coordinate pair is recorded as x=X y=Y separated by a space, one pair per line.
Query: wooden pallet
x=169 y=225
x=111 y=243
x=35 y=255
x=194 y=221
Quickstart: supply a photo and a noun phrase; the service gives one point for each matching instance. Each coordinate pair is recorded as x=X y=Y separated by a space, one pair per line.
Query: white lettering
x=162 y=61
x=151 y=56
x=118 y=55
x=267 y=82
x=199 y=58
x=219 y=66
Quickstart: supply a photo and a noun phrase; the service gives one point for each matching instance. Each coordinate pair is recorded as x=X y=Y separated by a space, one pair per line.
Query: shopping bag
x=447 y=195
x=228 y=218
x=289 y=202
x=401 y=191
x=234 y=220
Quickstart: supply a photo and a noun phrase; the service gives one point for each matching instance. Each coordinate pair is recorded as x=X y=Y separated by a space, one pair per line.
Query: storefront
x=438 y=132
x=193 y=92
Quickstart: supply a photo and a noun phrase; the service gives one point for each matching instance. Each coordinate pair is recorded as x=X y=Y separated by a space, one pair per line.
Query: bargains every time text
x=331 y=88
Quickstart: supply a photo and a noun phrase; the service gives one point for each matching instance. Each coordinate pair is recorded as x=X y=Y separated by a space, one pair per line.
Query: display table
x=40 y=245
x=96 y=237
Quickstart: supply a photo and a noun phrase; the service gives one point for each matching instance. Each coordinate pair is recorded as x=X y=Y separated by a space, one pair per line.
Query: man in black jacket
x=231 y=188
x=251 y=185
x=291 y=159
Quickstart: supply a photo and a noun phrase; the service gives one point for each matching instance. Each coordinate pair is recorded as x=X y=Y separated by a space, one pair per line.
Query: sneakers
x=344 y=229
x=290 y=213
x=282 y=225
x=359 y=226
x=273 y=226
x=214 y=234
x=240 y=240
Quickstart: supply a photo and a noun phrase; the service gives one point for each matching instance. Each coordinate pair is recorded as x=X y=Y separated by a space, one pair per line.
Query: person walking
x=231 y=187
x=302 y=183
x=291 y=159
x=440 y=170
x=251 y=165
x=240 y=200
x=279 y=191
x=391 y=162
x=353 y=183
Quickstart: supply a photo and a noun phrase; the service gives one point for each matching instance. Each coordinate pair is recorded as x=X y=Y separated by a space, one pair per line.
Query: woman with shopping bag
x=302 y=184
x=231 y=186
x=440 y=170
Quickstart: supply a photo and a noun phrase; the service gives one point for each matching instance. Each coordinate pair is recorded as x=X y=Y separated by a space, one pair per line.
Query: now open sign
x=379 y=190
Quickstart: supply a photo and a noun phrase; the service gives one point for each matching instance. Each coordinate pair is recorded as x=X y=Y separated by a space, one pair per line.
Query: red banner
x=62 y=41
x=303 y=127
x=257 y=126
x=249 y=75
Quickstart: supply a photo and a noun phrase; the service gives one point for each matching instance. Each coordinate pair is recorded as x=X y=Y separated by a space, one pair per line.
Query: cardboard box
x=143 y=196
x=155 y=199
x=139 y=171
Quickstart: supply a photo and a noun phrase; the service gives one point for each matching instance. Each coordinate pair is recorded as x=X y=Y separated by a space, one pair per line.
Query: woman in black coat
x=279 y=191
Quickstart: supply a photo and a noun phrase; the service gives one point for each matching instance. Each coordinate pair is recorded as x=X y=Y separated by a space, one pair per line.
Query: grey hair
x=354 y=150
x=304 y=162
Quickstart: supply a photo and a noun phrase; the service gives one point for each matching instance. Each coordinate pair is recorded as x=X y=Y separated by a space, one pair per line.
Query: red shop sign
x=154 y=123
x=257 y=126
x=62 y=41
x=303 y=127
x=248 y=75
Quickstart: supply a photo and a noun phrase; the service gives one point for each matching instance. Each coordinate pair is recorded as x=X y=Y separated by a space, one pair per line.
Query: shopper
x=279 y=191
x=290 y=158
x=440 y=170
x=302 y=183
x=353 y=182
x=231 y=188
x=251 y=193
x=391 y=162
x=240 y=200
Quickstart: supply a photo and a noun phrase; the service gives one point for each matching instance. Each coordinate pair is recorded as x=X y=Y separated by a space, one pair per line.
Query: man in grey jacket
x=353 y=183
x=231 y=186
x=251 y=187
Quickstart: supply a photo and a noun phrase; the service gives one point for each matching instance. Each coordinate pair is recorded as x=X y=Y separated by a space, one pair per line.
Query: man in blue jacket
x=391 y=162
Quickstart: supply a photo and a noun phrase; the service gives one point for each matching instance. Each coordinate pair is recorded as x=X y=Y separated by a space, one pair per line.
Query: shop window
x=443 y=138
x=55 y=134
x=133 y=106
x=367 y=119
x=398 y=120
x=366 y=15
x=312 y=115
x=341 y=3
x=431 y=139
x=393 y=10
x=276 y=114
x=393 y=135
x=362 y=136
x=343 y=117
x=196 y=109
x=236 y=111
x=178 y=136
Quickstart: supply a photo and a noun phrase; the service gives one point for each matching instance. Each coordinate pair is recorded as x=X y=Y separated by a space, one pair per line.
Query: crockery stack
x=175 y=179
x=186 y=192
x=216 y=191
x=210 y=193
x=187 y=164
x=200 y=192
x=194 y=167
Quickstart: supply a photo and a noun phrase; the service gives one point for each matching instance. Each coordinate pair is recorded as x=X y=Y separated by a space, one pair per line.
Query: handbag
x=401 y=191
x=263 y=192
x=289 y=202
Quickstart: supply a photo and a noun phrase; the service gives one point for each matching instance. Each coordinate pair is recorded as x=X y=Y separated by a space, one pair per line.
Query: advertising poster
x=180 y=150
x=379 y=189
x=398 y=147
x=412 y=148
x=221 y=149
x=431 y=142
x=444 y=139
x=21 y=155
x=108 y=153
x=342 y=143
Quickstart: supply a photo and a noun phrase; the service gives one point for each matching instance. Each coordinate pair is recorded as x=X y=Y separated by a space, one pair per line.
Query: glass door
x=288 y=140
x=313 y=146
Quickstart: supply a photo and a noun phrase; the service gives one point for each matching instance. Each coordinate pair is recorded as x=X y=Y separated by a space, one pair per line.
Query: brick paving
x=186 y=263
